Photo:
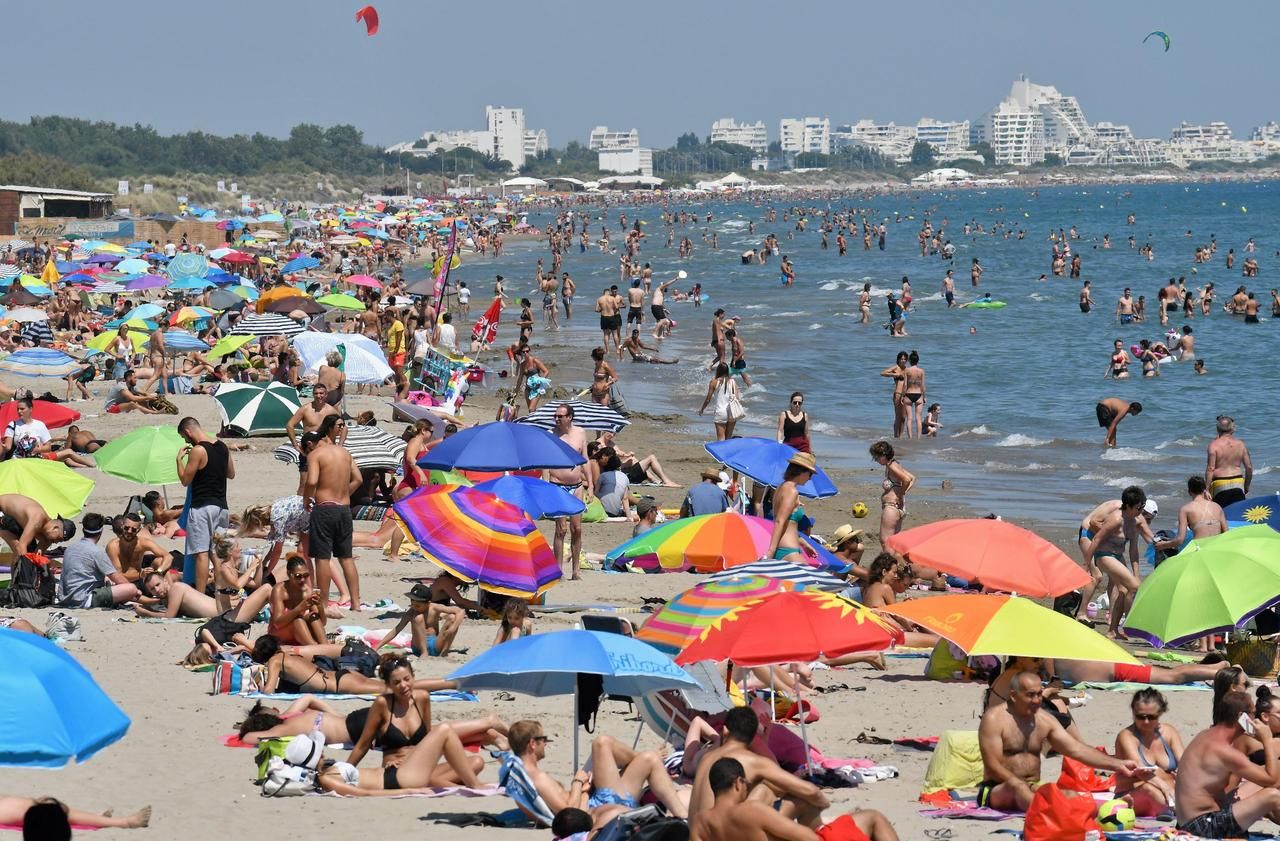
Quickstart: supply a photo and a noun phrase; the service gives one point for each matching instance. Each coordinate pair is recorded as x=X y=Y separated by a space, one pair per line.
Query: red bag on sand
x=1055 y=815
x=1076 y=776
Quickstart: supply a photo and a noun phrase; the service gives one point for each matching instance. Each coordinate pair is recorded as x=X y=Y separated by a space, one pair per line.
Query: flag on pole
x=486 y=329
x=442 y=277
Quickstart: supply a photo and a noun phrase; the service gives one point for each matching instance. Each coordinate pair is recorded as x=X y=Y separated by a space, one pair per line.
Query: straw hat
x=713 y=475
x=844 y=534
x=805 y=460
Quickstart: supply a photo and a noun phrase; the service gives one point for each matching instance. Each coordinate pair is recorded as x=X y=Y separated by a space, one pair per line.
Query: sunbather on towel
x=1078 y=671
x=421 y=769
x=14 y=811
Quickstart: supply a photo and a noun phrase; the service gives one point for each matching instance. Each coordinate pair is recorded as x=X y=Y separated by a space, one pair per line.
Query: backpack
x=357 y=656
x=32 y=583
x=647 y=823
x=292 y=773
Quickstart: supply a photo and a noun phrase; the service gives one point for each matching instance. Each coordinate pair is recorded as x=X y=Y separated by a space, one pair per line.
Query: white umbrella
x=365 y=361
x=26 y=314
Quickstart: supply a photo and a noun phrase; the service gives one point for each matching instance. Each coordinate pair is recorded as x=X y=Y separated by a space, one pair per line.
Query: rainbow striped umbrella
x=708 y=543
x=683 y=619
x=477 y=537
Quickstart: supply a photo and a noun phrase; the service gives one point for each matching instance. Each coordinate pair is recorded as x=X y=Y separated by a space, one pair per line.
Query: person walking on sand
x=1112 y=410
x=572 y=479
x=332 y=476
x=724 y=391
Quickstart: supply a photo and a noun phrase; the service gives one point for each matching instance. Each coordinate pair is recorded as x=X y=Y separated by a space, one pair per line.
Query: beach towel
x=447 y=791
x=440 y=696
x=956 y=762
x=913 y=743
x=517 y=783
x=970 y=811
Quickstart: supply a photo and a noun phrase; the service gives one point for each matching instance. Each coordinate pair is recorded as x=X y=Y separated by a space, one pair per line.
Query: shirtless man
x=1124 y=307
x=80 y=440
x=332 y=378
x=572 y=479
x=25 y=527
x=635 y=304
x=567 y=288
x=1229 y=471
x=734 y=817
x=1012 y=738
x=164 y=598
x=310 y=415
x=1185 y=349
x=1121 y=524
x=1112 y=410
x=332 y=476
x=766 y=781
x=949 y=289
x=1086 y=298
x=132 y=552
x=610 y=321
x=637 y=348
x=1207 y=802
x=657 y=307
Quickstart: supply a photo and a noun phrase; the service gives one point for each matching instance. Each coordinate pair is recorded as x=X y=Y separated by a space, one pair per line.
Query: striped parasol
x=9 y=270
x=371 y=447
x=707 y=543
x=585 y=416
x=267 y=324
x=256 y=408
x=477 y=537
x=683 y=619
x=38 y=332
x=16 y=245
x=797 y=575
x=40 y=362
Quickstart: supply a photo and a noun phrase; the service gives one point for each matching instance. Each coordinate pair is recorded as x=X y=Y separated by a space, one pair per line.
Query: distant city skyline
x=237 y=67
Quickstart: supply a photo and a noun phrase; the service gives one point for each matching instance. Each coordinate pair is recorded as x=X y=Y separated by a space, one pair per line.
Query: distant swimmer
x=1124 y=307
x=864 y=303
x=975 y=272
x=1112 y=410
x=788 y=271
x=1086 y=298
x=949 y=289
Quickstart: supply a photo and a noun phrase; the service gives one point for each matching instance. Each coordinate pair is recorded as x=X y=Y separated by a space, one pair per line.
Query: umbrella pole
x=773 y=694
x=575 y=728
x=804 y=732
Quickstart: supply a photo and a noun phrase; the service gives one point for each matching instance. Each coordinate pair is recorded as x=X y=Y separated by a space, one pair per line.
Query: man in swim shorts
x=1112 y=410
x=1012 y=737
x=1206 y=801
x=1229 y=471
x=1121 y=525
x=332 y=476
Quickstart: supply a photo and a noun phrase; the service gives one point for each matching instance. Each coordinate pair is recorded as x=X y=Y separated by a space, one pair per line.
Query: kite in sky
x=1161 y=35
x=370 y=17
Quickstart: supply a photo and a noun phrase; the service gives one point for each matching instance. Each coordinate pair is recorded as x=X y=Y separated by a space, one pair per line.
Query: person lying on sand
x=18 y=811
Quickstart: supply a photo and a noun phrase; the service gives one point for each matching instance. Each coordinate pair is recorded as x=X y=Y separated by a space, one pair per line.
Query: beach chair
x=610 y=624
x=669 y=713
x=515 y=779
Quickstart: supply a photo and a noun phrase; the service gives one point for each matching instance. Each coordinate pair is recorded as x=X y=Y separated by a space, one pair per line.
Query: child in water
x=930 y=425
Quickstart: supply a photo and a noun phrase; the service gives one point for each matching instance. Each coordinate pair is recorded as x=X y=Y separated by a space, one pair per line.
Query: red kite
x=370 y=17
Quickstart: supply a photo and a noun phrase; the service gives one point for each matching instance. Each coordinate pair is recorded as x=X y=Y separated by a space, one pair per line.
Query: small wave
x=1020 y=440
x=826 y=428
x=1030 y=466
x=815 y=326
x=1177 y=442
x=977 y=430
x=1262 y=470
x=788 y=314
x=1035 y=296
x=756 y=388
x=1111 y=481
x=1130 y=454
x=830 y=285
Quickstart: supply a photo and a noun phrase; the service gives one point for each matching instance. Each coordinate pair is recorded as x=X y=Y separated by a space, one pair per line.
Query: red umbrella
x=237 y=257
x=52 y=415
x=790 y=627
x=1000 y=555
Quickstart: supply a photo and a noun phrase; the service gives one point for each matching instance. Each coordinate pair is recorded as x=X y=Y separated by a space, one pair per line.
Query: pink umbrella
x=365 y=280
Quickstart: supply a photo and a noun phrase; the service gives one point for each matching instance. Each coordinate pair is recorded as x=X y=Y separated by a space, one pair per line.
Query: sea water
x=1017 y=385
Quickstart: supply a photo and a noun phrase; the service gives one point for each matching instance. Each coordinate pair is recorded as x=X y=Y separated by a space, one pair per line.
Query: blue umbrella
x=51 y=710
x=180 y=341
x=827 y=558
x=501 y=446
x=533 y=496
x=40 y=362
x=765 y=461
x=67 y=267
x=141 y=245
x=190 y=283
x=1254 y=510
x=298 y=264
x=549 y=664
x=188 y=264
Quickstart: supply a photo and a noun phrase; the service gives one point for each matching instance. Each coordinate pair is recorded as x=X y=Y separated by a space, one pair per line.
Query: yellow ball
x=1116 y=815
x=858 y=510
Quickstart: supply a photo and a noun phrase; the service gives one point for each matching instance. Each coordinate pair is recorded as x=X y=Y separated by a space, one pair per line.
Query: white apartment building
x=602 y=138
x=1210 y=142
x=506 y=132
x=1268 y=132
x=445 y=141
x=1214 y=132
x=945 y=137
x=752 y=135
x=891 y=141
x=807 y=134
x=535 y=142
x=633 y=161
x=1065 y=125
x=1015 y=132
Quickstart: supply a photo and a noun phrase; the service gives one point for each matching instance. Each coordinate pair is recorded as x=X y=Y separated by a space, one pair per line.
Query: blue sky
x=663 y=67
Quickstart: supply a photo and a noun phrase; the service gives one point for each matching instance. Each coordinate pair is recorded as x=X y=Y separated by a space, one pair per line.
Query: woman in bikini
x=886 y=578
x=1118 y=366
x=895 y=371
x=893 y=499
x=13 y=814
x=416 y=773
x=913 y=393
x=297 y=612
x=788 y=512
x=297 y=673
x=1151 y=744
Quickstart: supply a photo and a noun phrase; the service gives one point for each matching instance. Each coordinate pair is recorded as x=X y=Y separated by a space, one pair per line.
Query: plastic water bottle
x=1093 y=835
x=247 y=557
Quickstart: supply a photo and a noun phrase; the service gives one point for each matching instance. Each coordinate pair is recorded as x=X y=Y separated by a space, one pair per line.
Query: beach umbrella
x=1214 y=584
x=363 y=280
x=225 y=299
x=228 y=345
x=133 y=266
x=103 y=259
x=549 y=664
x=1008 y=626
x=52 y=415
x=765 y=461
x=501 y=446
x=147 y=455
x=191 y=314
x=342 y=302
x=190 y=284
x=590 y=416
x=237 y=257
x=371 y=447
x=299 y=264
x=363 y=360
x=533 y=496
x=791 y=627
x=52 y=712
x=477 y=537
x=706 y=543
x=16 y=245
x=37 y=332
x=40 y=362
x=146 y=311
x=146 y=281
x=999 y=554
x=267 y=324
x=683 y=619
x=229 y=225
x=1255 y=510
x=60 y=490
x=256 y=408
x=187 y=264
x=798 y=576
x=294 y=303
x=26 y=314
x=180 y=341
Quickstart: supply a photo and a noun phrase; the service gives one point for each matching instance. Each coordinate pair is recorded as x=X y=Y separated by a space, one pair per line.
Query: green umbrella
x=60 y=490
x=1214 y=584
x=257 y=408
x=342 y=302
x=146 y=455
x=448 y=477
x=230 y=344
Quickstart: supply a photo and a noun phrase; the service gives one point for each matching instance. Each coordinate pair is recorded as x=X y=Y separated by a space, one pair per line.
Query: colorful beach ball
x=1116 y=815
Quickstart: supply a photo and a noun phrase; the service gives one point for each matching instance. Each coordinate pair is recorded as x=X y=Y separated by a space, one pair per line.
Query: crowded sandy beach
x=352 y=512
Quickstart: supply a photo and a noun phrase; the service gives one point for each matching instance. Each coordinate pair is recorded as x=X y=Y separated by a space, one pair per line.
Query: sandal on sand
x=866 y=739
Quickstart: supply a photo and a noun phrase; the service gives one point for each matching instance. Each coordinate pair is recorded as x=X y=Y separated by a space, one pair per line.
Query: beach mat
x=1128 y=686
x=973 y=813
x=439 y=697
x=448 y=791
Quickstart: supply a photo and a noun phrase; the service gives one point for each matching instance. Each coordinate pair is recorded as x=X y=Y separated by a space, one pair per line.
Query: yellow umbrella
x=230 y=344
x=50 y=277
x=266 y=261
x=60 y=490
x=439 y=261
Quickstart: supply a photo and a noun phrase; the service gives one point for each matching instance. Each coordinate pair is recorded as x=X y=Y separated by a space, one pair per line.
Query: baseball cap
x=644 y=506
x=1150 y=507
x=68 y=528
x=419 y=593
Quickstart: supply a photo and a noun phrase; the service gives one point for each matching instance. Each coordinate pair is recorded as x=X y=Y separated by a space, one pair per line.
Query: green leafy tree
x=922 y=154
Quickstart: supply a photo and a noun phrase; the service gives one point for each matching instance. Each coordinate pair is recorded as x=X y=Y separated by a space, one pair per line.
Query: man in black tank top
x=204 y=466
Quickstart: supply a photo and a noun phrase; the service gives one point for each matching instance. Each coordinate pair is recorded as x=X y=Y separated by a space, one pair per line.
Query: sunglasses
x=300 y=576
x=541 y=739
x=1146 y=716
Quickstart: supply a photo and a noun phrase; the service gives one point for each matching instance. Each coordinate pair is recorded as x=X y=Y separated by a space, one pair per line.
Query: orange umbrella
x=1000 y=555
x=788 y=627
x=278 y=293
